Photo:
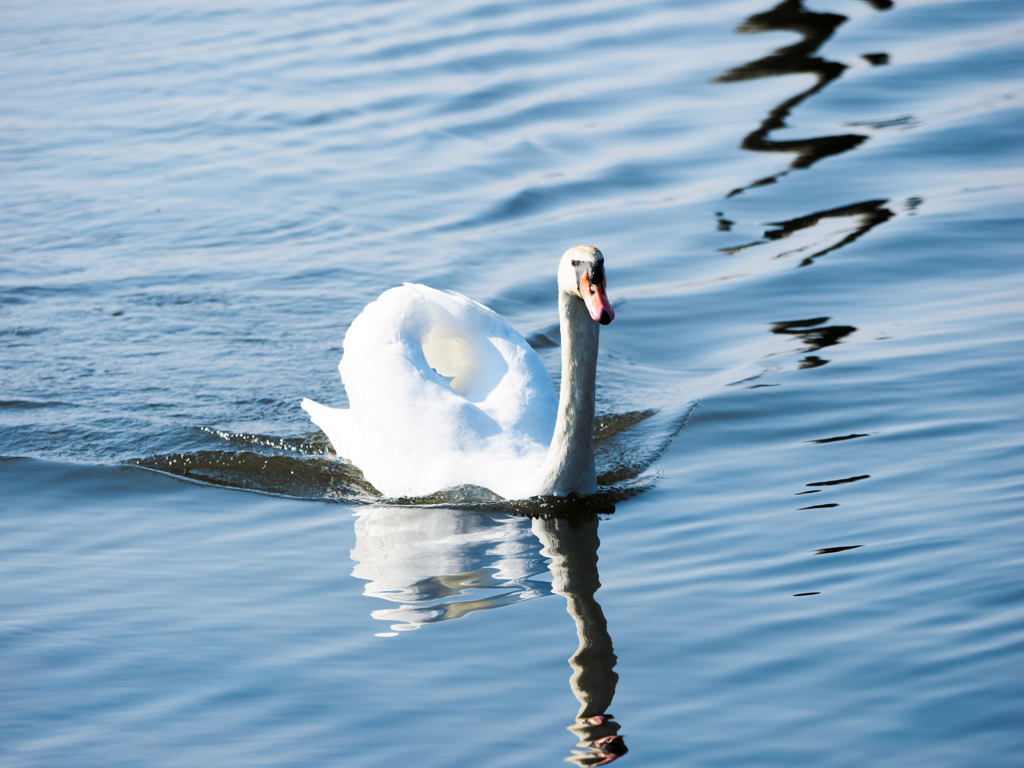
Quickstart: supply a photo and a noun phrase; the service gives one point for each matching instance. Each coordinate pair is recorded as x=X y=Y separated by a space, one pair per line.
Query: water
x=810 y=395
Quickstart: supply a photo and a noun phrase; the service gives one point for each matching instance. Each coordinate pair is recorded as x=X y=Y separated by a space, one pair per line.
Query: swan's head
x=581 y=274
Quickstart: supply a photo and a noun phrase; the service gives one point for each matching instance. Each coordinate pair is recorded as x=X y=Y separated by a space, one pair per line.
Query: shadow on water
x=798 y=58
x=444 y=564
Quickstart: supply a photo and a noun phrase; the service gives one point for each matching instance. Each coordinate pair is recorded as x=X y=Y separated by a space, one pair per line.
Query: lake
x=807 y=547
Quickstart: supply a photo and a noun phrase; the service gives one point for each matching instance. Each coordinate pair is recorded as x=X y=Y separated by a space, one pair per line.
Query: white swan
x=444 y=393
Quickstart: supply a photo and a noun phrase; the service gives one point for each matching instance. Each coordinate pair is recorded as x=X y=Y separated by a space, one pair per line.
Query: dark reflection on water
x=798 y=58
x=839 y=482
x=836 y=439
x=903 y=121
x=816 y=335
x=869 y=215
x=443 y=564
x=876 y=59
x=833 y=550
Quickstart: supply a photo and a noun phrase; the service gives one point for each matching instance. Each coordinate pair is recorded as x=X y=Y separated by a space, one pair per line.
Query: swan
x=444 y=393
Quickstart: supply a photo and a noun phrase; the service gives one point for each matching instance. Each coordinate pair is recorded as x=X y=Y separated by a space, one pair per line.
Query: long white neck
x=569 y=467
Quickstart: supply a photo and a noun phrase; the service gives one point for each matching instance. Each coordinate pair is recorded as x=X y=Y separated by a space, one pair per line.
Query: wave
x=626 y=445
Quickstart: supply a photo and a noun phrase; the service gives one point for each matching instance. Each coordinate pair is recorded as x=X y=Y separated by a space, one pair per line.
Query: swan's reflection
x=442 y=564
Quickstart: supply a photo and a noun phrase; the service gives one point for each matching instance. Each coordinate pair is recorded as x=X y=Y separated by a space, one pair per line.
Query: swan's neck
x=569 y=467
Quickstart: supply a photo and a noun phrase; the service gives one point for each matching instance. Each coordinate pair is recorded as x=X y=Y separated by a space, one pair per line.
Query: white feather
x=443 y=392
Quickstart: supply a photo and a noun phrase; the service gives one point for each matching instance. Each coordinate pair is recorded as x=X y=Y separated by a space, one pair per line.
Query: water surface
x=810 y=397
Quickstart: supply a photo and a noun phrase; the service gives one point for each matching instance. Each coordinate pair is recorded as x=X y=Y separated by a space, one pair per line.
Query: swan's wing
x=443 y=392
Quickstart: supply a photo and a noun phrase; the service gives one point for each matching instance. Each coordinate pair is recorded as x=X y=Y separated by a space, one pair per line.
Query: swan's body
x=412 y=432
x=444 y=393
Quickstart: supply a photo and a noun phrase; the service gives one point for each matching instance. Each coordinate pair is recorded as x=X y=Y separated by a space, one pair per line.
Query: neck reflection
x=572 y=546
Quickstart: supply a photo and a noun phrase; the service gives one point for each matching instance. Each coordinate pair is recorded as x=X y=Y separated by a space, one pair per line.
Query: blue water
x=810 y=398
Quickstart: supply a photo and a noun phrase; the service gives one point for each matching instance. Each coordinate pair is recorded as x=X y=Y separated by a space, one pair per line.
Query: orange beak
x=597 y=301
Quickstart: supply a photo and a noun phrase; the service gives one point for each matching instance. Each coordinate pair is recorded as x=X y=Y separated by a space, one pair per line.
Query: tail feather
x=336 y=423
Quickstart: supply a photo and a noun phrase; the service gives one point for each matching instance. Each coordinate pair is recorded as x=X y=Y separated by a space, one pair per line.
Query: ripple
x=305 y=478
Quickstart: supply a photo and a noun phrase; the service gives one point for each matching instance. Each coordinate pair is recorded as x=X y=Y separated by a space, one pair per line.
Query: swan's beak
x=596 y=300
